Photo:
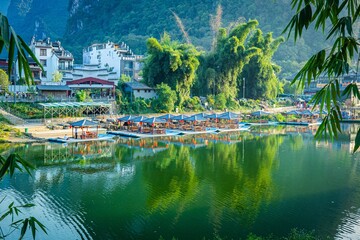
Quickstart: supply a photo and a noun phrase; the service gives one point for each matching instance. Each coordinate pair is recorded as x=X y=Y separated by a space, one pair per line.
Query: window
x=44 y=74
x=61 y=65
x=43 y=62
x=42 y=52
x=36 y=75
x=138 y=90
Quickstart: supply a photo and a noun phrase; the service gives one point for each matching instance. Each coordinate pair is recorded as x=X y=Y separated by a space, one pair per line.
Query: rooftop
x=74 y=104
x=53 y=87
x=137 y=86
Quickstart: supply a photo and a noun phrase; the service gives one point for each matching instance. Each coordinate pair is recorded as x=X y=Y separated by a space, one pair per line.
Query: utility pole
x=244 y=88
x=214 y=87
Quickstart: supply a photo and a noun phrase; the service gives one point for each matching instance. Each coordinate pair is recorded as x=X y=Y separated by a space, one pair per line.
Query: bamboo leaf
x=357 y=141
x=24 y=228
x=32 y=227
x=11 y=54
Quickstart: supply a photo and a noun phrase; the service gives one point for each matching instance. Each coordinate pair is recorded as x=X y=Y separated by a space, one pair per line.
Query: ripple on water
x=350 y=227
x=54 y=213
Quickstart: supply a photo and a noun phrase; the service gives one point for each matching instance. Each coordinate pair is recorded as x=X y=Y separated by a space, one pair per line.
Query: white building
x=92 y=71
x=53 y=57
x=115 y=57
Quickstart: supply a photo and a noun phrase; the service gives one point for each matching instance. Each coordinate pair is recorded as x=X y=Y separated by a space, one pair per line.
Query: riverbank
x=39 y=132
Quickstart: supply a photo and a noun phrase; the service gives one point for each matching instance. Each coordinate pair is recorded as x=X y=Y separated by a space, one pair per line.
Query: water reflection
x=267 y=181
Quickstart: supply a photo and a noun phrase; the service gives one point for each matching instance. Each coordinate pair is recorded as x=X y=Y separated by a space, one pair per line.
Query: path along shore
x=39 y=133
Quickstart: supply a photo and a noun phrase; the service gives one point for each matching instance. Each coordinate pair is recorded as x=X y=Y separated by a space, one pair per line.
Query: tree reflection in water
x=238 y=176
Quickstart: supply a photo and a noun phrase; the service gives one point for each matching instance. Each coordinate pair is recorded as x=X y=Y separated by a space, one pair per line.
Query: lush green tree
x=219 y=69
x=193 y=104
x=4 y=81
x=289 y=88
x=220 y=101
x=172 y=63
x=124 y=78
x=166 y=98
x=340 y=20
x=139 y=105
x=211 y=100
x=261 y=73
x=82 y=96
x=57 y=76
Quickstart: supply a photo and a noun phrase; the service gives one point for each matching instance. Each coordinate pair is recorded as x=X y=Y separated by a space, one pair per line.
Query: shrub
x=193 y=104
x=211 y=100
x=220 y=101
x=233 y=104
x=166 y=98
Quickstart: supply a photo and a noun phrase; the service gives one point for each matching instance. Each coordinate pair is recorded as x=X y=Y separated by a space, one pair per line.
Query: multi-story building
x=115 y=57
x=53 y=57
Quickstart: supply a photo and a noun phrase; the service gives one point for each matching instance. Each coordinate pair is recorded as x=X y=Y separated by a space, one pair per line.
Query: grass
x=6 y=130
x=4 y=120
x=23 y=110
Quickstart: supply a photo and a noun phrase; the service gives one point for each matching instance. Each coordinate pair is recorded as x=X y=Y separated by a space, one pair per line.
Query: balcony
x=62 y=68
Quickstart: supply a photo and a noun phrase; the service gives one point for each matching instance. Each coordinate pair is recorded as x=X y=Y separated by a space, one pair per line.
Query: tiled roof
x=53 y=87
x=137 y=86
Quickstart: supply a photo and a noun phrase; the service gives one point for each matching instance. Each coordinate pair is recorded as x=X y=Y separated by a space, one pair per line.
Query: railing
x=65 y=68
x=51 y=99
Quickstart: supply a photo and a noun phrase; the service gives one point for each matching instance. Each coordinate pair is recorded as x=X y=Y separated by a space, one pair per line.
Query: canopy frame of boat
x=84 y=124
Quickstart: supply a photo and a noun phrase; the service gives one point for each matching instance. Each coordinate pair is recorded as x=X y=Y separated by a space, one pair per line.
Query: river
x=268 y=181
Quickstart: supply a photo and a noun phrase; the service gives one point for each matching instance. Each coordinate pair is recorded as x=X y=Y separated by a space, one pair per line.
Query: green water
x=268 y=181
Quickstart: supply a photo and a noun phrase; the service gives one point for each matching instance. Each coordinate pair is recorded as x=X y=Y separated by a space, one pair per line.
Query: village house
x=140 y=90
x=116 y=58
x=53 y=57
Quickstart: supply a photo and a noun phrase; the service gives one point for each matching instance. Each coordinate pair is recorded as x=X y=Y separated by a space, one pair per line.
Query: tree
x=291 y=88
x=342 y=16
x=82 y=96
x=4 y=81
x=227 y=60
x=171 y=63
x=166 y=98
x=261 y=73
x=124 y=78
x=57 y=76
x=220 y=101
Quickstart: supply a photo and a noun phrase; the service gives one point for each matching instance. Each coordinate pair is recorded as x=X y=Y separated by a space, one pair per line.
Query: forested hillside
x=42 y=18
x=79 y=23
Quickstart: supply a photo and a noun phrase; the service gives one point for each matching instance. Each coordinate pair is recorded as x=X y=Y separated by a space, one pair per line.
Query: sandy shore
x=40 y=132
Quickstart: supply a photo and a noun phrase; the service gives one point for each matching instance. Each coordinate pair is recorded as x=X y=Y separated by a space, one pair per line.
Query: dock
x=102 y=137
x=174 y=132
x=299 y=123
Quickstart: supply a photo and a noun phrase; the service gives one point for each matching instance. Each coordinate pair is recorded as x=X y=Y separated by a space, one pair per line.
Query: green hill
x=79 y=23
